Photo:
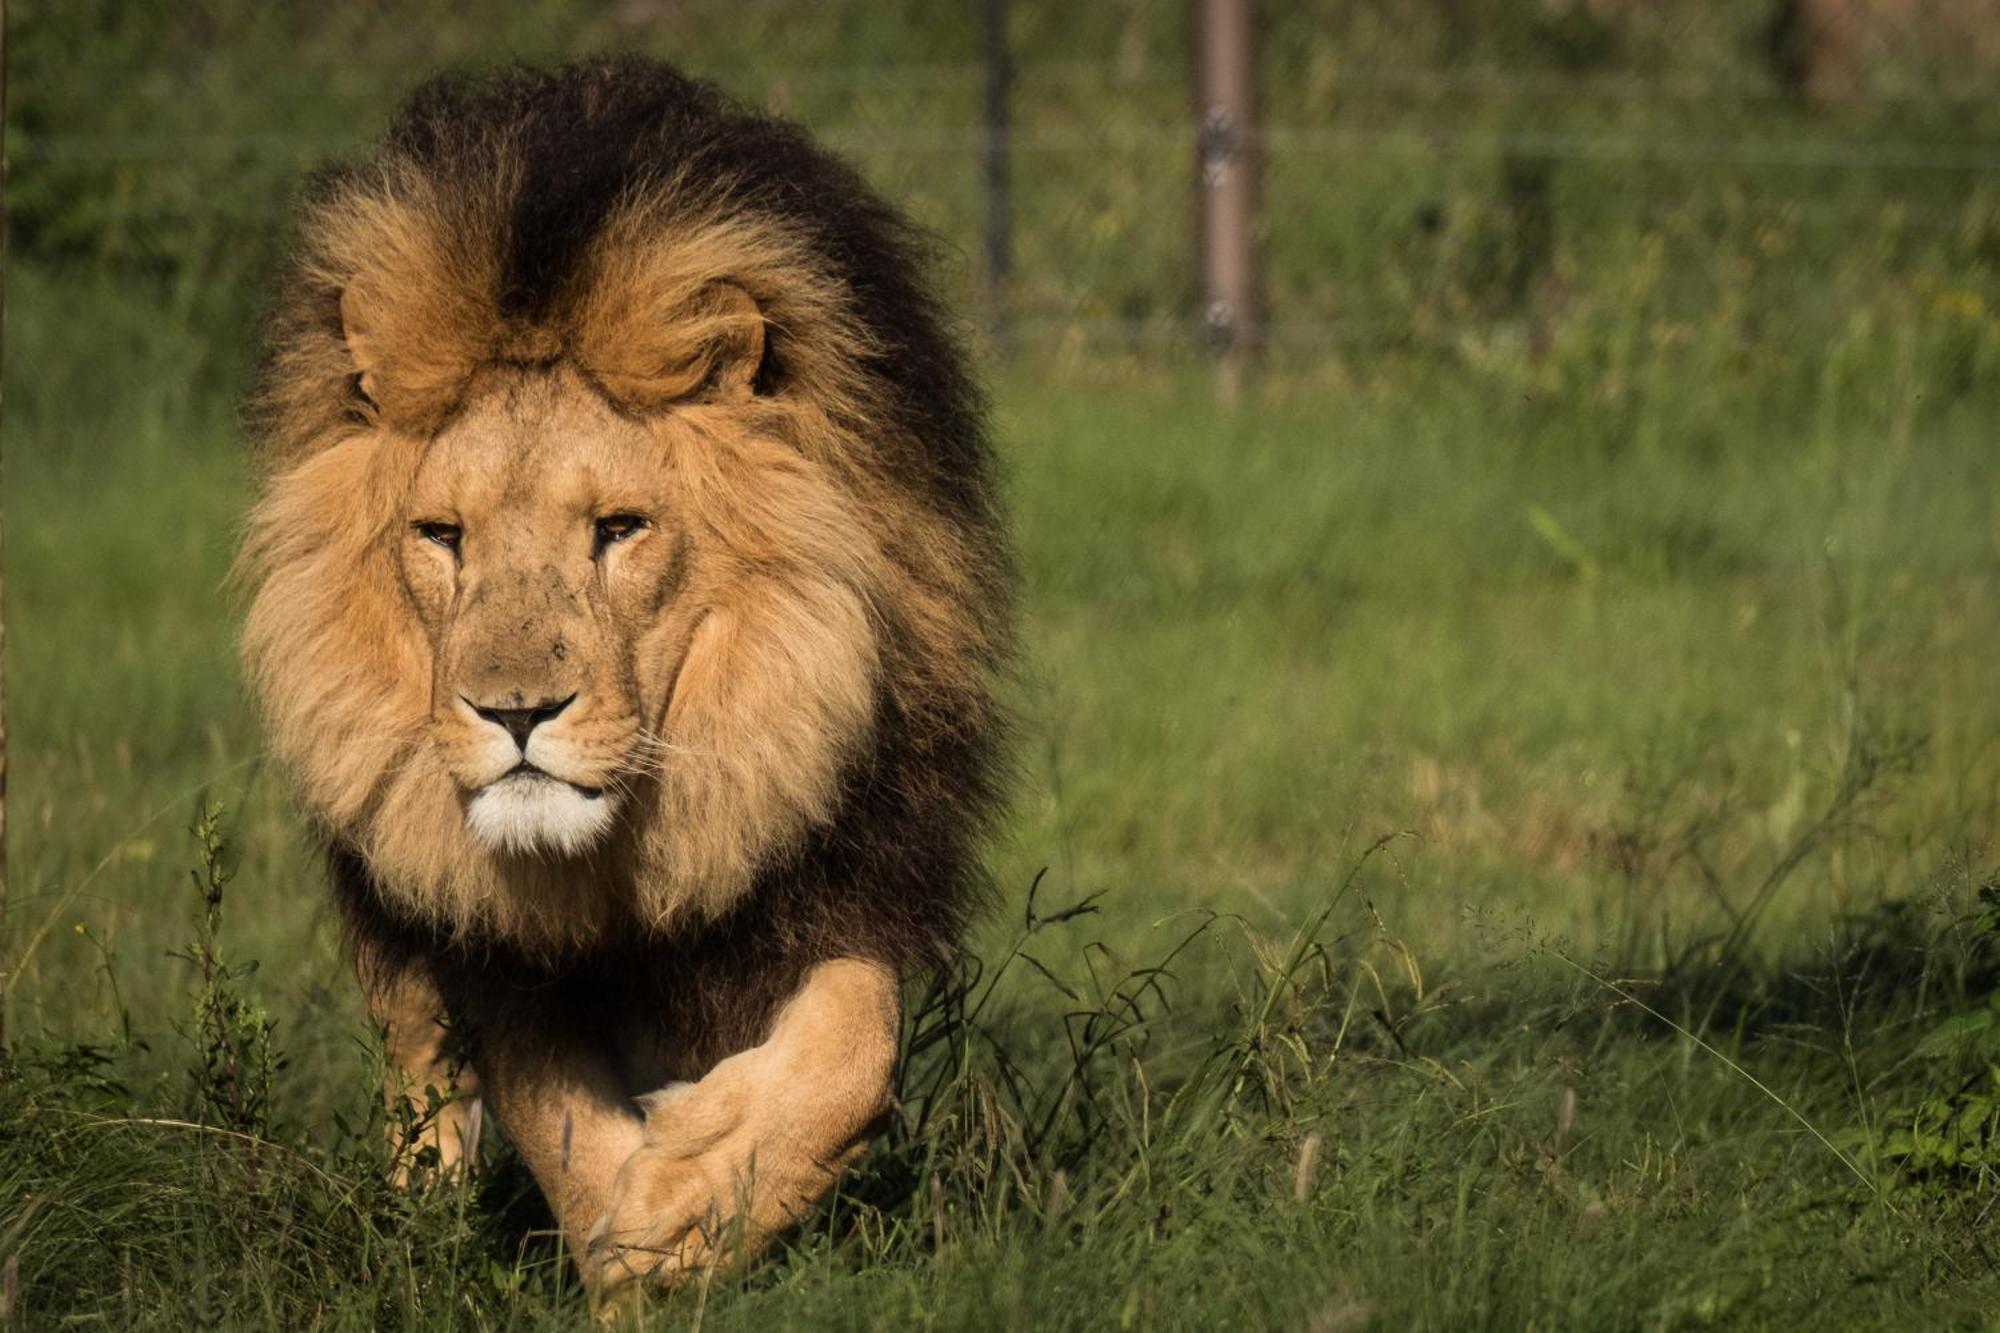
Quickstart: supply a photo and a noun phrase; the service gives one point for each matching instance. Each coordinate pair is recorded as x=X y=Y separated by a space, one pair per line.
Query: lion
x=627 y=590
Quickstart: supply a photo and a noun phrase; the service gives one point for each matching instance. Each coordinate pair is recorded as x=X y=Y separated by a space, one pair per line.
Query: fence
x=1467 y=177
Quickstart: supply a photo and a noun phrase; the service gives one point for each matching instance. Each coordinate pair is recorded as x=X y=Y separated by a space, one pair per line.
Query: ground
x=1505 y=828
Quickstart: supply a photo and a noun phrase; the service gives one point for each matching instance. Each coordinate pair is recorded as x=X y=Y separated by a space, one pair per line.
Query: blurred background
x=1468 y=179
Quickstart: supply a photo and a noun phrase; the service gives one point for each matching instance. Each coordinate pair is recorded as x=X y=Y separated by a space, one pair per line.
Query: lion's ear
x=711 y=351
x=361 y=347
x=412 y=351
x=738 y=346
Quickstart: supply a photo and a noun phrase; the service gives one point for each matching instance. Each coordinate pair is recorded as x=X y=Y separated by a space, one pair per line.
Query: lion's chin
x=535 y=813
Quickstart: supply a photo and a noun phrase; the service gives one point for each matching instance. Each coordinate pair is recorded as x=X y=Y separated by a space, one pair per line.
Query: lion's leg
x=560 y=1101
x=733 y=1159
x=423 y=1064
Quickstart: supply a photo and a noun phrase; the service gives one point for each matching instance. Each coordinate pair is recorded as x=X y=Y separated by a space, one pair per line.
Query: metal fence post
x=1226 y=153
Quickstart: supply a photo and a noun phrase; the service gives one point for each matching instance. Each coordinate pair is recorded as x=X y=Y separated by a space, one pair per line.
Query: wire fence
x=1535 y=178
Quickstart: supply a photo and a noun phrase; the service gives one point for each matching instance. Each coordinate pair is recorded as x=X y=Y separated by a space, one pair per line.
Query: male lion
x=627 y=588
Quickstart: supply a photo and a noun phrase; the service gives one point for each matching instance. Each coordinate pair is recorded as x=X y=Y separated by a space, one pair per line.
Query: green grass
x=1532 y=767
x=1596 y=670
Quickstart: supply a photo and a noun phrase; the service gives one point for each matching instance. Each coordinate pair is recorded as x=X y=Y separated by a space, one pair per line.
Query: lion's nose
x=519 y=722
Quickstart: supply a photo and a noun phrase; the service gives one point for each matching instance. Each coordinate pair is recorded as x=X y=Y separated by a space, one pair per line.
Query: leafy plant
x=231 y=1032
x=1952 y=1137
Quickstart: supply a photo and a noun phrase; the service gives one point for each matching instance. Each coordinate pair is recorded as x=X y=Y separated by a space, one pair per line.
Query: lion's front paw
x=668 y=1219
x=713 y=1181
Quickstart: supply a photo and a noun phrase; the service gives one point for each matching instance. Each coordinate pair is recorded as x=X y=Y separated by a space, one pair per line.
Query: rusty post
x=1227 y=158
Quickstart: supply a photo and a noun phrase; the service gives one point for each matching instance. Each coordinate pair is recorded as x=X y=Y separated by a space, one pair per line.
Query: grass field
x=1670 y=723
x=1506 y=830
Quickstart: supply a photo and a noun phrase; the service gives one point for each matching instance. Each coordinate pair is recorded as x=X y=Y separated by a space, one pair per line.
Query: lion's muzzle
x=531 y=705
x=530 y=790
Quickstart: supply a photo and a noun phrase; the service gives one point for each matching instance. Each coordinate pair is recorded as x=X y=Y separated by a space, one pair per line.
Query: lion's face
x=539 y=549
x=560 y=659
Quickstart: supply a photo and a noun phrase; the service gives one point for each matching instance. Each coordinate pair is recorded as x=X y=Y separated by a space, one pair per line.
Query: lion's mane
x=579 y=215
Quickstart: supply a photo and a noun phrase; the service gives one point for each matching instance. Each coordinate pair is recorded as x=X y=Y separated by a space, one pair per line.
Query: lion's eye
x=446 y=535
x=615 y=528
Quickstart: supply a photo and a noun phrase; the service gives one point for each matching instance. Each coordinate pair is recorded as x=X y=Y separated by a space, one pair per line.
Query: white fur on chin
x=528 y=812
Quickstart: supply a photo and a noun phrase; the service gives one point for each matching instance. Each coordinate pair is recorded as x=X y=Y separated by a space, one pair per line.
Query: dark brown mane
x=576 y=140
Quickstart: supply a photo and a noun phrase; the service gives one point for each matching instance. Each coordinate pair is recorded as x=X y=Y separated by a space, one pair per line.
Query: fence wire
x=1534 y=178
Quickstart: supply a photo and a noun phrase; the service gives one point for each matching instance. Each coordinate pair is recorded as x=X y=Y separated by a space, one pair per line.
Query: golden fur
x=796 y=548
